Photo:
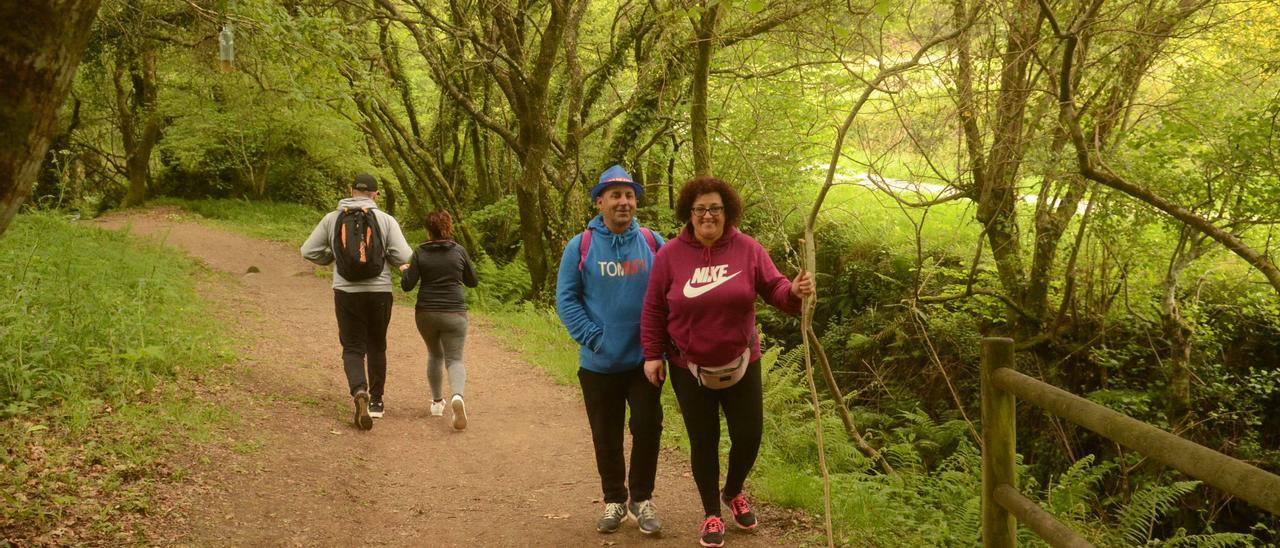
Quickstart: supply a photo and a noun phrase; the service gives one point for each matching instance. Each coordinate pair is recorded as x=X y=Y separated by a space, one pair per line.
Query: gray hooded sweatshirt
x=319 y=247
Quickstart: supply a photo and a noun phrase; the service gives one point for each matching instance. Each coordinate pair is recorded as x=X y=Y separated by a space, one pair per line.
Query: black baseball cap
x=365 y=182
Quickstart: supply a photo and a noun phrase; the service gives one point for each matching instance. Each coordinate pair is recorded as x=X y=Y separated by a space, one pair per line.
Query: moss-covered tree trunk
x=37 y=60
x=705 y=31
x=137 y=104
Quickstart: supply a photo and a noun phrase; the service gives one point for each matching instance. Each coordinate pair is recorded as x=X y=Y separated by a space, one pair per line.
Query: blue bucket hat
x=615 y=176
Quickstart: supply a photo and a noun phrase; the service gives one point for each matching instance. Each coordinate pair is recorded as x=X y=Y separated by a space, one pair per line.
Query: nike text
x=711 y=276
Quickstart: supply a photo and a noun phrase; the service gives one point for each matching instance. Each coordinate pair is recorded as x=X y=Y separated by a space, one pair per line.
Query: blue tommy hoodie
x=600 y=305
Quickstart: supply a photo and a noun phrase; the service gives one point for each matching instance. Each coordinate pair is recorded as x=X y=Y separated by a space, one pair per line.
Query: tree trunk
x=671 y=172
x=1177 y=330
x=531 y=219
x=571 y=168
x=706 y=28
x=534 y=140
x=670 y=67
x=378 y=139
x=998 y=195
x=1178 y=333
x=486 y=191
x=37 y=60
x=138 y=147
x=260 y=174
x=390 y=192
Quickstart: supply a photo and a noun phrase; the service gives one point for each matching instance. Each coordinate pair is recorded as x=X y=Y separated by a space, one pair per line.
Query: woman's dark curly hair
x=706 y=184
x=439 y=224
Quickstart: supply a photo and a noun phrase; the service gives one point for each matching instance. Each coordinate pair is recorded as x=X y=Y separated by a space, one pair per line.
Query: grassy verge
x=102 y=342
x=278 y=222
x=537 y=336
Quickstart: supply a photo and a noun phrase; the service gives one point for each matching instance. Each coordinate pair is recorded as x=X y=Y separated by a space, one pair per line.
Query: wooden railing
x=1001 y=501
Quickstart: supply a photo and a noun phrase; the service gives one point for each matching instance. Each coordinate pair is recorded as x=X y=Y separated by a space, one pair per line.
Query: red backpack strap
x=648 y=237
x=584 y=245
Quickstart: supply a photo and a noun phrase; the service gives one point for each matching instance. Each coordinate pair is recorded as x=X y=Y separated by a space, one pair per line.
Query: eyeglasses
x=715 y=211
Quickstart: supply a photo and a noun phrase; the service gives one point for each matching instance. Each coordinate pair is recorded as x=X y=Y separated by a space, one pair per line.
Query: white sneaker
x=459 y=412
x=437 y=408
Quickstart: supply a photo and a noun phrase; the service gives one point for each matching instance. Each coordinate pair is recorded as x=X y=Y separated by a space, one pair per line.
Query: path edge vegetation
x=110 y=361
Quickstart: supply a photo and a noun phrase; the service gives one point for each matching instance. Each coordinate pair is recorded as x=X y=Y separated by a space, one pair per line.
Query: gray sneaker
x=646 y=515
x=614 y=514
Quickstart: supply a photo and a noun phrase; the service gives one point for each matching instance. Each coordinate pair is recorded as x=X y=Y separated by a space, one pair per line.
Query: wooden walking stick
x=806 y=321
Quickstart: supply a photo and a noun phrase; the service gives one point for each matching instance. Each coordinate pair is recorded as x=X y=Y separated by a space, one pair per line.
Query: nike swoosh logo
x=691 y=292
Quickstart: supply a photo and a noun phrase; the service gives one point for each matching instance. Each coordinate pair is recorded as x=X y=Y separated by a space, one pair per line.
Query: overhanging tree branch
x=441 y=76
x=1099 y=173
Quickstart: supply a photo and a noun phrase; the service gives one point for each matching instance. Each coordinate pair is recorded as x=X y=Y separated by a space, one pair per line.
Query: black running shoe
x=376 y=408
x=363 y=420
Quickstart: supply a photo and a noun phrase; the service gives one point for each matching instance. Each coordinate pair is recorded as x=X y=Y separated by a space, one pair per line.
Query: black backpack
x=357 y=244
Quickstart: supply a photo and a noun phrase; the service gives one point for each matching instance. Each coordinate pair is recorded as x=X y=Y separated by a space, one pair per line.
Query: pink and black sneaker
x=712 y=532
x=741 y=510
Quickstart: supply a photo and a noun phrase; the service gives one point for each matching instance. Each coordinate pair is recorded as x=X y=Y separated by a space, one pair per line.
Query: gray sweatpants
x=444 y=333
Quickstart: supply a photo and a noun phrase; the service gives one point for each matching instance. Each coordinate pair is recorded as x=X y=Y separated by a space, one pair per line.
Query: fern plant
x=1075 y=489
x=1137 y=519
x=1214 y=540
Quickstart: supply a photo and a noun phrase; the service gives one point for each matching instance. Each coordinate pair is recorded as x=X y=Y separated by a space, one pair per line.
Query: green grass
x=101 y=339
x=869 y=214
x=538 y=337
x=274 y=221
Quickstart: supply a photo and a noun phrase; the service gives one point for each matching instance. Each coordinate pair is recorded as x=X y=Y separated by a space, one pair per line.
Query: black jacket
x=443 y=267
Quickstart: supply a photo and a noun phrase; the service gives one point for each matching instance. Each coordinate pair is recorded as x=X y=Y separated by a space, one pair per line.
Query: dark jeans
x=743 y=406
x=607 y=396
x=362 y=328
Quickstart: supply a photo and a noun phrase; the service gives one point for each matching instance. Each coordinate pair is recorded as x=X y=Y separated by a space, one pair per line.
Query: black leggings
x=743 y=406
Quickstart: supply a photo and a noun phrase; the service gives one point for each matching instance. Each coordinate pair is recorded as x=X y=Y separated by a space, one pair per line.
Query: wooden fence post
x=999 y=445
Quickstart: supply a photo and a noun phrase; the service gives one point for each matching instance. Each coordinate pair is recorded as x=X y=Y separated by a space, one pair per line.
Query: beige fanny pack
x=724 y=376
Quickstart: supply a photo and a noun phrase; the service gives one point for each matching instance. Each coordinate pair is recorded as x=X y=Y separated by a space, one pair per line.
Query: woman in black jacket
x=443 y=267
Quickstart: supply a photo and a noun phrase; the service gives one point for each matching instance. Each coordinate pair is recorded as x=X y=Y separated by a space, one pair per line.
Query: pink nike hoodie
x=701 y=301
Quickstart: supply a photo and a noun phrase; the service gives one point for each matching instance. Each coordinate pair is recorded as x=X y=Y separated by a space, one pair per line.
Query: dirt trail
x=295 y=472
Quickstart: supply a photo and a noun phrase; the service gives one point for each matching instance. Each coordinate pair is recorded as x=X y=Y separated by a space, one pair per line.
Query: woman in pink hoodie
x=699 y=313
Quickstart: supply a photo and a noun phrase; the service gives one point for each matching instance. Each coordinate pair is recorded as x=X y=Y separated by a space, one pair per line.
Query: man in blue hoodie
x=604 y=273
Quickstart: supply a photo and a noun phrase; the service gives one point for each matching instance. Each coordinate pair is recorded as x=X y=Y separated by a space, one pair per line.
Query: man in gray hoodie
x=363 y=307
